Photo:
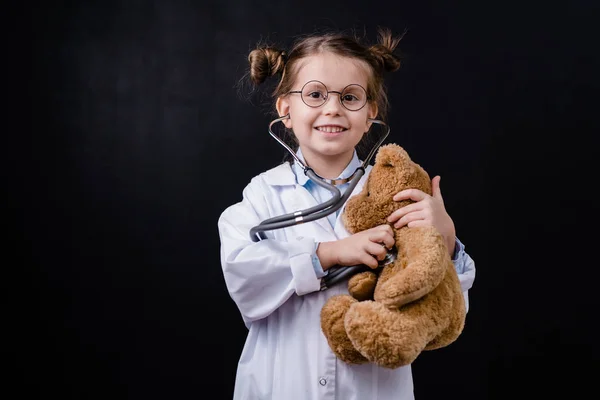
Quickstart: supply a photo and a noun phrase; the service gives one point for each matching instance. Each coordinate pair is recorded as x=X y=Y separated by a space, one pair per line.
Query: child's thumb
x=435 y=187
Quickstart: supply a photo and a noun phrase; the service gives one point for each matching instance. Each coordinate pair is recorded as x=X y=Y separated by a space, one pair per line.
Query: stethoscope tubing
x=336 y=274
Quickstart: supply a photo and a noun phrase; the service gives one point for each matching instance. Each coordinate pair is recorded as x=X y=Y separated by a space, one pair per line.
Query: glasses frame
x=368 y=98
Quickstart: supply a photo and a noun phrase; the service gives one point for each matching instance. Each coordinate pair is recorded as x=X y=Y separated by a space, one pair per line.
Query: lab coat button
x=323 y=381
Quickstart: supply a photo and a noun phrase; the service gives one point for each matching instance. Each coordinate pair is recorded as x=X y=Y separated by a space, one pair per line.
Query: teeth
x=330 y=129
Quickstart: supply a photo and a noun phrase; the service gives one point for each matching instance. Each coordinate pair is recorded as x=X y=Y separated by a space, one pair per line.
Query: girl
x=330 y=86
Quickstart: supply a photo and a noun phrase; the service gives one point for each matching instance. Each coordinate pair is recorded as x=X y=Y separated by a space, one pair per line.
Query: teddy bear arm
x=457 y=312
x=420 y=267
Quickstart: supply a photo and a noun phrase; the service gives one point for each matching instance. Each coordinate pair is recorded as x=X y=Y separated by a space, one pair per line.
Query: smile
x=331 y=129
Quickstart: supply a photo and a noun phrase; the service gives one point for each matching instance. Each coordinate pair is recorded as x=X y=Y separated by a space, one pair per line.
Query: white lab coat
x=275 y=287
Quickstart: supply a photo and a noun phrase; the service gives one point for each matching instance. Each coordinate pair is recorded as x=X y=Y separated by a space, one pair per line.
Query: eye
x=315 y=95
x=350 y=98
x=388 y=165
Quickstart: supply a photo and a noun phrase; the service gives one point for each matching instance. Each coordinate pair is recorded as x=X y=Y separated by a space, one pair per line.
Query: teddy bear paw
x=362 y=285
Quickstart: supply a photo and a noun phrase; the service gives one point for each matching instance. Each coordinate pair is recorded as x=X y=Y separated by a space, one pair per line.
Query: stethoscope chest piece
x=390 y=257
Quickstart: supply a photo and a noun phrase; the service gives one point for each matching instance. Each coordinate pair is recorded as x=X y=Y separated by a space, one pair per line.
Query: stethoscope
x=335 y=274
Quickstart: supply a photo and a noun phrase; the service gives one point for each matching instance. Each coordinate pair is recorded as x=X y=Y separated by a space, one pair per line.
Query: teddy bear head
x=393 y=171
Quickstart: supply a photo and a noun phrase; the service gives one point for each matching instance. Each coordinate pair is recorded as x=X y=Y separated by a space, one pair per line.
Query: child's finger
x=412 y=194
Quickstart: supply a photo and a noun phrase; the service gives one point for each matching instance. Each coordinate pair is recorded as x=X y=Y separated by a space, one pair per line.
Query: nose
x=332 y=105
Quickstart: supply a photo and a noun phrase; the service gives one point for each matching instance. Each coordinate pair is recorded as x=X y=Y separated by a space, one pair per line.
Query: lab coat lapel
x=294 y=196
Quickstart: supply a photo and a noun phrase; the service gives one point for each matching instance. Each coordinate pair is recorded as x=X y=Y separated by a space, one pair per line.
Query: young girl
x=330 y=86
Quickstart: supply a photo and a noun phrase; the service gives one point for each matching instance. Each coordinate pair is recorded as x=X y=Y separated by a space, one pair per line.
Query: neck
x=327 y=167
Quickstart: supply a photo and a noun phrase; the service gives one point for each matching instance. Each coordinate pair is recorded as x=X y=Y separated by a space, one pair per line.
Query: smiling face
x=329 y=132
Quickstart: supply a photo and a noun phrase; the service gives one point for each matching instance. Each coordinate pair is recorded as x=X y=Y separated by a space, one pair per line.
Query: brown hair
x=266 y=61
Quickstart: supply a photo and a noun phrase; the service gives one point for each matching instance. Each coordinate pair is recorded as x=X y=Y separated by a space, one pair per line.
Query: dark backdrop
x=139 y=139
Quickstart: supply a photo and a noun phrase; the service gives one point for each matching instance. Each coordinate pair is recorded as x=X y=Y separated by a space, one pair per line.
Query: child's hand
x=365 y=247
x=426 y=211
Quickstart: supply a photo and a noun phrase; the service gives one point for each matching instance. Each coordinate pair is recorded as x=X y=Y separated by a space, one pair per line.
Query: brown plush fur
x=411 y=305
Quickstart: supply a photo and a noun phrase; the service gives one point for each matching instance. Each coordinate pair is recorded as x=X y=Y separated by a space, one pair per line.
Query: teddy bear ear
x=391 y=154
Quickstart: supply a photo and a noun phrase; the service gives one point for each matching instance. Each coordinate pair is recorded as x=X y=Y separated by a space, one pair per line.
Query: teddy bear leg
x=457 y=313
x=332 y=324
x=362 y=285
x=388 y=338
x=395 y=337
x=420 y=267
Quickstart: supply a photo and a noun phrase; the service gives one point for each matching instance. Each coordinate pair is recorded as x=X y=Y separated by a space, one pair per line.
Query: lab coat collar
x=284 y=174
x=302 y=178
x=281 y=175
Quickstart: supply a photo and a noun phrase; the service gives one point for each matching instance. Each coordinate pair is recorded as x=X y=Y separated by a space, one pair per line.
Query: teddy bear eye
x=388 y=165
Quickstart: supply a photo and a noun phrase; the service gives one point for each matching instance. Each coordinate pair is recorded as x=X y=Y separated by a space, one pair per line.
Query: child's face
x=318 y=129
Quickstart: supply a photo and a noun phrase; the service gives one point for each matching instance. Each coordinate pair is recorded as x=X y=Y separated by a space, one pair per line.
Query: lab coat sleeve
x=465 y=268
x=261 y=276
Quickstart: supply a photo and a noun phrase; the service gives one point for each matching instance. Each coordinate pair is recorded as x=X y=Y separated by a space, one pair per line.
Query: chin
x=331 y=151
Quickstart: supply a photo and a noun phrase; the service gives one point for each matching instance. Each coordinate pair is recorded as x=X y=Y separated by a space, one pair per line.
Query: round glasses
x=315 y=94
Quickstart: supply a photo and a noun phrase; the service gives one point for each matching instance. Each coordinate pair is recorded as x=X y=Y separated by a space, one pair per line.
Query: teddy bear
x=415 y=303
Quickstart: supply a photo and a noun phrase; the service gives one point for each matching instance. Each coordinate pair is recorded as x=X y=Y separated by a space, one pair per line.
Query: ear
x=371 y=113
x=283 y=108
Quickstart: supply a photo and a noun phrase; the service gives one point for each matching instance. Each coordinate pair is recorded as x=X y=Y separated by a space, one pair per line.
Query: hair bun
x=383 y=51
x=265 y=62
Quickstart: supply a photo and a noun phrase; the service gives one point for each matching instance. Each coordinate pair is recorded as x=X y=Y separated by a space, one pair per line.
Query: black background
x=139 y=137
